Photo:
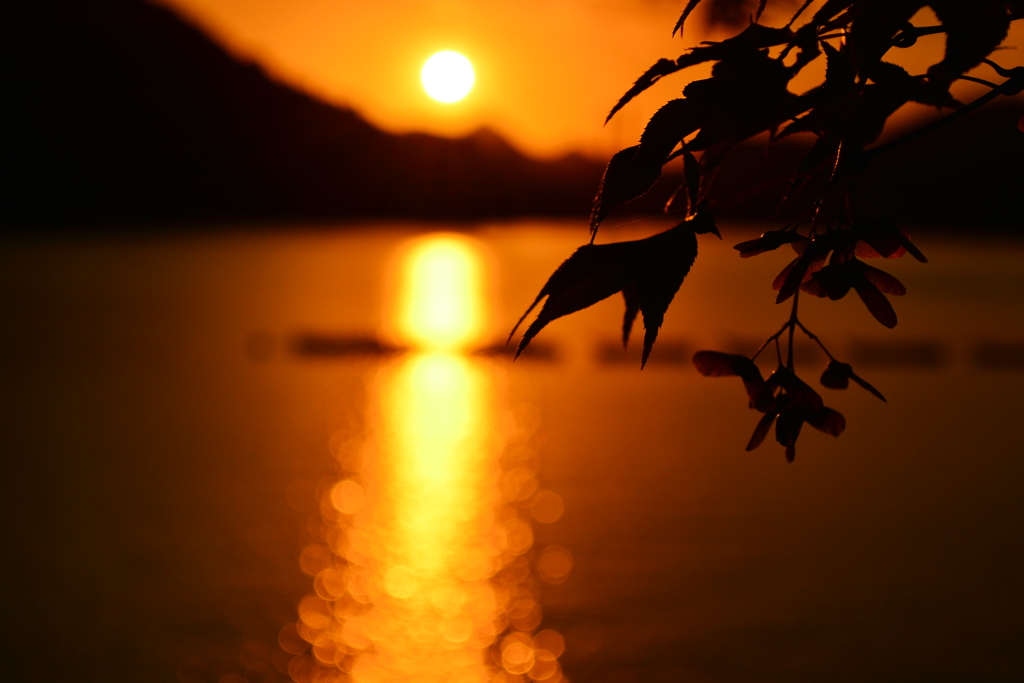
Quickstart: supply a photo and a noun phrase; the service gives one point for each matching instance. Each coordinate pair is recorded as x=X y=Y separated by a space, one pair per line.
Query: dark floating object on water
x=334 y=345
x=993 y=355
x=539 y=351
x=906 y=354
x=611 y=352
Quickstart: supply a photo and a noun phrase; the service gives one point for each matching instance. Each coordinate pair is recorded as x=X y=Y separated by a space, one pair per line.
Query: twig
x=814 y=337
x=910 y=137
x=793 y=321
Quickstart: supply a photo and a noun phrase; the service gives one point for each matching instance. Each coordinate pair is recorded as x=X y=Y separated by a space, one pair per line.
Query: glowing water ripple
x=424 y=573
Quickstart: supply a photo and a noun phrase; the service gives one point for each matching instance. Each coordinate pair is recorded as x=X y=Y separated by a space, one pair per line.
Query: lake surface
x=221 y=465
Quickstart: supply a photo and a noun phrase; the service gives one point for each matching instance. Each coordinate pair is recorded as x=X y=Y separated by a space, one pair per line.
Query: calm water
x=215 y=471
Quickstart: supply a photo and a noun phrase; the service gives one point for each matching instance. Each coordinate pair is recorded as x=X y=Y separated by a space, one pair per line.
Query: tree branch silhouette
x=746 y=95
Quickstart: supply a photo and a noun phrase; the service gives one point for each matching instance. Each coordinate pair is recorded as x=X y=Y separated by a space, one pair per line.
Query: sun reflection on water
x=424 y=572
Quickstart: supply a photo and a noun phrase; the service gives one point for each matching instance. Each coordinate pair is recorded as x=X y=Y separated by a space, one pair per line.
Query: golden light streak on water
x=442 y=304
x=424 y=573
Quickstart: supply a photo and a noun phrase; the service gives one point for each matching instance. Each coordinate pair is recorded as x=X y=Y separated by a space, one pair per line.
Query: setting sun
x=447 y=76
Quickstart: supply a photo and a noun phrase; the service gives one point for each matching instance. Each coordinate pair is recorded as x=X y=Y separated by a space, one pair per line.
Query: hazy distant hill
x=123 y=111
x=118 y=111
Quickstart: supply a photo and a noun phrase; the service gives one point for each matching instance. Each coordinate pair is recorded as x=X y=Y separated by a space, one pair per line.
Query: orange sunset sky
x=547 y=71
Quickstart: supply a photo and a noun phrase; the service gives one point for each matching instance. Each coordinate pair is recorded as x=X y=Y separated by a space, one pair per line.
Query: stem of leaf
x=793 y=322
x=769 y=340
x=814 y=337
x=909 y=137
x=977 y=80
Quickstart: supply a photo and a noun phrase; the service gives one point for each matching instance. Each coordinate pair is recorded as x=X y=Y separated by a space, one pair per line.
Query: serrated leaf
x=651 y=270
x=873 y=28
x=660 y=69
x=633 y=171
x=760 y=9
x=829 y=10
x=622 y=181
x=690 y=6
x=973 y=30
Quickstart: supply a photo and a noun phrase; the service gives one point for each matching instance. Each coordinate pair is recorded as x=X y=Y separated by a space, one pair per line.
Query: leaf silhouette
x=634 y=170
x=829 y=10
x=973 y=30
x=760 y=9
x=621 y=182
x=874 y=27
x=690 y=6
x=663 y=67
x=649 y=272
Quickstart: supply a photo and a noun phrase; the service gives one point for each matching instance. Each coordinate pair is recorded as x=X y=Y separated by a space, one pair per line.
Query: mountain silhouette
x=120 y=112
x=124 y=112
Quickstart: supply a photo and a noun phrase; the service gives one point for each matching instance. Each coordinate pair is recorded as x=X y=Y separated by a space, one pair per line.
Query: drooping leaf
x=633 y=171
x=753 y=37
x=648 y=272
x=623 y=181
x=760 y=9
x=661 y=68
x=690 y=6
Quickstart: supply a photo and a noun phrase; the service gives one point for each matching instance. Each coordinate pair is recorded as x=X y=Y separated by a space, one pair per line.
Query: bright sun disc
x=447 y=76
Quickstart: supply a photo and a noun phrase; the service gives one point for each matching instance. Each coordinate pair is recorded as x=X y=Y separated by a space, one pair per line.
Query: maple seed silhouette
x=746 y=95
